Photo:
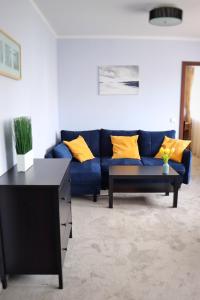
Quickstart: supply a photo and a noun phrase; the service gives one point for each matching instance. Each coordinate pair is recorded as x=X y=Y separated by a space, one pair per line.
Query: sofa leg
x=94 y=198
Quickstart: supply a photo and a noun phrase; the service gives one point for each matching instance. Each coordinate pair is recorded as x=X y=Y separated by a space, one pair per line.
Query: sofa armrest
x=187 y=161
x=61 y=151
x=49 y=154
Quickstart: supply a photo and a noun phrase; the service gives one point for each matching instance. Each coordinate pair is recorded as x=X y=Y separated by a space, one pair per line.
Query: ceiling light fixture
x=165 y=16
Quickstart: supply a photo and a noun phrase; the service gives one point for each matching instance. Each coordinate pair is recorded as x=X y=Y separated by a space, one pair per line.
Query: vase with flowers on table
x=166 y=154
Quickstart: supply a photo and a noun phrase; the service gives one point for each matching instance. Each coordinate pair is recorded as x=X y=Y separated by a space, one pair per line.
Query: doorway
x=190 y=105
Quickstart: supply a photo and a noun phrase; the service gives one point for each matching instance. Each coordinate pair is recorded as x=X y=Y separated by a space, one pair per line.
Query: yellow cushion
x=79 y=149
x=178 y=145
x=125 y=147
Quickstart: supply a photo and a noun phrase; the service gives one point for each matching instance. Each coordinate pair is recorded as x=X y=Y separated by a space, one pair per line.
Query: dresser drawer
x=65 y=192
x=64 y=210
x=64 y=233
x=65 y=187
x=65 y=199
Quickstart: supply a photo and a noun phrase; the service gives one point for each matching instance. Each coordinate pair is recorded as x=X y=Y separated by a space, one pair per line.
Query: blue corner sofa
x=92 y=176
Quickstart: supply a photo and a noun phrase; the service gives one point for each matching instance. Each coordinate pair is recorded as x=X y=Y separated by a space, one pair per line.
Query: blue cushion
x=151 y=141
x=152 y=161
x=61 y=151
x=105 y=140
x=88 y=172
x=90 y=136
x=107 y=161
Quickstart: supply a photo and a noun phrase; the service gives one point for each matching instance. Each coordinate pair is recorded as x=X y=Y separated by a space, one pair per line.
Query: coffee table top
x=140 y=171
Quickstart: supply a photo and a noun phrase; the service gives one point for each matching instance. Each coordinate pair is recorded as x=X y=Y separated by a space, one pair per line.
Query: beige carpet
x=141 y=250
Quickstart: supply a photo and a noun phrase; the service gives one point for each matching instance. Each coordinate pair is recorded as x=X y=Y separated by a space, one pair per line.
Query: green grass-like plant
x=23 y=135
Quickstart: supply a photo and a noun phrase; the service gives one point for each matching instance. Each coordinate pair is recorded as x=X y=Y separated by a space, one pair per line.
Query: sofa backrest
x=105 y=140
x=99 y=141
x=92 y=138
x=150 y=141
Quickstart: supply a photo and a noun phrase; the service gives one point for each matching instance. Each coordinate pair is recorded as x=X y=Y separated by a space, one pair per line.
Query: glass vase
x=165 y=168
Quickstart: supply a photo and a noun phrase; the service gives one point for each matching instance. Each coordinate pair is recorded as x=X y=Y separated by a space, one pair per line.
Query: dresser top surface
x=44 y=172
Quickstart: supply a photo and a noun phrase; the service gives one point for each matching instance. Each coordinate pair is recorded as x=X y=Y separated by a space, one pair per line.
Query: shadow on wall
x=57 y=141
x=8 y=137
x=57 y=137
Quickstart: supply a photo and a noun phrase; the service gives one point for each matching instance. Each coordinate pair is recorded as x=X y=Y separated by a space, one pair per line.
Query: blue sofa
x=92 y=176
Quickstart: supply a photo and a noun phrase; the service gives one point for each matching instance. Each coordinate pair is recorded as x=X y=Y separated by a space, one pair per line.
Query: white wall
x=160 y=77
x=36 y=94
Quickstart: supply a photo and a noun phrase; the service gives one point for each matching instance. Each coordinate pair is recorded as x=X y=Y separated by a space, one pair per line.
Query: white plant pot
x=24 y=161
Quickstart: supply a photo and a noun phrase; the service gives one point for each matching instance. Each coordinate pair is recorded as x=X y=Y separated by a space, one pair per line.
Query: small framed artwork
x=118 y=80
x=10 y=57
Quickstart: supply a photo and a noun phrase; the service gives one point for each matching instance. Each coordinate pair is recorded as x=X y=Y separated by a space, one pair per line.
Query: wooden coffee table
x=143 y=179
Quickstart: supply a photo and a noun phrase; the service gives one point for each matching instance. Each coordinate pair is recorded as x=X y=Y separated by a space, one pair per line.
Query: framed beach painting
x=10 y=56
x=118 y=80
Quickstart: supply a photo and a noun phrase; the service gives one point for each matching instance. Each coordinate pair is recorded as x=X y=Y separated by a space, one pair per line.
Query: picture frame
x=118 y=79
x=10 y=56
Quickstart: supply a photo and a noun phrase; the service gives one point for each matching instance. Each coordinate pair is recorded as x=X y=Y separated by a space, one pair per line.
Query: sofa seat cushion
x=88 y=172
x=107 y=161
x=152 y=161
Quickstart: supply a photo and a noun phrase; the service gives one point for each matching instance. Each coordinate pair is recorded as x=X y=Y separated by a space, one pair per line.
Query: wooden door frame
x=182 y=102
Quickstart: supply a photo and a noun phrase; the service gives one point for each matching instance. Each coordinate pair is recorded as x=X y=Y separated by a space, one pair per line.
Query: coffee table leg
x=110 y=193
x=175 y=200
x=4 y=282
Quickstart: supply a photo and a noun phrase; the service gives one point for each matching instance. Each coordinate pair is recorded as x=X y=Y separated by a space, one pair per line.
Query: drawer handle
x=64 y=249
x=70 y=223
x=62 y=198
x=64 y=224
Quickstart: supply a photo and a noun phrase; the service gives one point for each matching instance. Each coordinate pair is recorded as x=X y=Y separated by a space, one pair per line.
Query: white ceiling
x=124 y=18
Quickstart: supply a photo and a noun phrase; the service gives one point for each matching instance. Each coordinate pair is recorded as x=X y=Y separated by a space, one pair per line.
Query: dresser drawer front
x=65 y=211
x=65 y=192
x=65 y=233
x=65 y=199
x=65 y=187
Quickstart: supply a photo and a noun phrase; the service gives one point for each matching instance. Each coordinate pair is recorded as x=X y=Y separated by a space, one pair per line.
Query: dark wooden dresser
x=35 y=219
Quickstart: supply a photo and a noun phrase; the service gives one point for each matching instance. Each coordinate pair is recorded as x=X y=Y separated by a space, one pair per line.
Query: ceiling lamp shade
x=165 y=16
